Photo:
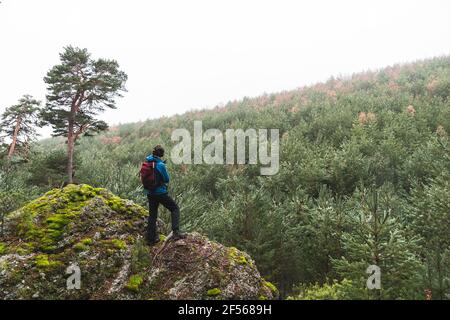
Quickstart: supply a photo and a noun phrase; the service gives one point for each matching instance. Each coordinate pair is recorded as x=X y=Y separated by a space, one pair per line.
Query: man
x=159 y=195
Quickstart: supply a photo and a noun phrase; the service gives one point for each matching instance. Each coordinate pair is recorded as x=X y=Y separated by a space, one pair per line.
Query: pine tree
x=428 y=215
x=78 y=89
x=12 y=191
x=377 y=238
x=19 y=122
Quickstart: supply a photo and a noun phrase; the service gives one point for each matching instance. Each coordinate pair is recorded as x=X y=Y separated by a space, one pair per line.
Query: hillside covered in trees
x=364 y=179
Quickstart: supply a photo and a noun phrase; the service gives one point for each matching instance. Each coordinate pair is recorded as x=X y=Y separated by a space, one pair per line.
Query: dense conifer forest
x=364 y=179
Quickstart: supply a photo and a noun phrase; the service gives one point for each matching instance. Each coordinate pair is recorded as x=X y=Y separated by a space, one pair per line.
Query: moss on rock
x=2 y=248
x=213 y=292
x=238 y=256
x=270 y=286
x=115 y=244
x=134 y=283
x=42 y=262
x=83 y=245
x=102 y=235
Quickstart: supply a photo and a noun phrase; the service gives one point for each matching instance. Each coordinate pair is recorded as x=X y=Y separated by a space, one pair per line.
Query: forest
x=364 y=175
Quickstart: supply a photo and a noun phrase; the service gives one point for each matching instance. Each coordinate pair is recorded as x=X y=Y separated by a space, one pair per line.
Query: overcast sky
x=182 y=55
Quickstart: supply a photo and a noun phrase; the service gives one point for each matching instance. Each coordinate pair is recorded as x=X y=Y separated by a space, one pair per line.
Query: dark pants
x=169 y=204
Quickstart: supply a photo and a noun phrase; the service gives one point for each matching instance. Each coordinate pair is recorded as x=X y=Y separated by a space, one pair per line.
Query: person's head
x=158 y=151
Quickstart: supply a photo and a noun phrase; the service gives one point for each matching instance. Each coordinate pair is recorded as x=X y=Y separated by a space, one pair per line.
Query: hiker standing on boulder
x=154 y=177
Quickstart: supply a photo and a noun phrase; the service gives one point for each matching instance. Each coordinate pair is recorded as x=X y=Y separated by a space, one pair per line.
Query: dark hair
x=158 y=151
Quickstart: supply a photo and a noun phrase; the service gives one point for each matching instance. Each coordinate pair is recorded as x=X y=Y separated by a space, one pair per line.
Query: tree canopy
x=78 y=90
x=18 y=123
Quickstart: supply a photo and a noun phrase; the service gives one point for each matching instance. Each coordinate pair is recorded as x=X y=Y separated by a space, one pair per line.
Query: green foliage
x=19 y=123
x=48 y=168
x=12 y=190
x=343 y=290
x=271 y=286
x=3 y=248
x=377 y=238
x=42 y=262
x=78 y=90
x=83 y=245
x=428 y=216
x=363 y=179
x=115 y=244
x=140 y=256
x=213 y=292
x=134 y=283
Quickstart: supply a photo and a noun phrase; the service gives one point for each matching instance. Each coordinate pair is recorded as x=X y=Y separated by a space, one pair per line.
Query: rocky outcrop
x=82 y=242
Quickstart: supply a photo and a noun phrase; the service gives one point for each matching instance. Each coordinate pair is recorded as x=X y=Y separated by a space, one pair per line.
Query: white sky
x=182 y=55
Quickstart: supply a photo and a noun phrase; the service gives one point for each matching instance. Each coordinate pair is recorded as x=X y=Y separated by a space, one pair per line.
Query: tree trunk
x=12 y=146
x=70 y=147
x=2 y=223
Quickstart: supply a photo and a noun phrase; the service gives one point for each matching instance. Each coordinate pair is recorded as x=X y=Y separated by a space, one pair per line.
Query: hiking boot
x=153 y=241
x=177 y=235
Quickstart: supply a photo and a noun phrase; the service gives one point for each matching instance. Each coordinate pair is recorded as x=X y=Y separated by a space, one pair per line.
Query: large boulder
x=89 y=234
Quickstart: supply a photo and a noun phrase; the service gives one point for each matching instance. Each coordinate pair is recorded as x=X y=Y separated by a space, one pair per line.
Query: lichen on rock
x=102 y=234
